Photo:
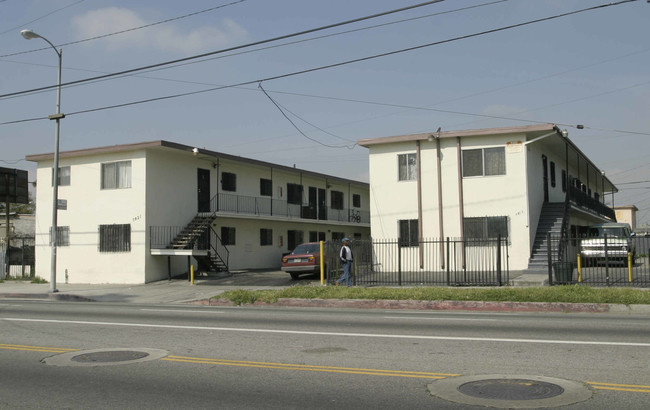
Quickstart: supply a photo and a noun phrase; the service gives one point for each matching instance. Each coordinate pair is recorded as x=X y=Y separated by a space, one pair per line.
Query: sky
x=268 y=103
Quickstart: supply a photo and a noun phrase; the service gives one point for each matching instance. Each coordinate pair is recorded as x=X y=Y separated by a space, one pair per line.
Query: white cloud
x=163 y=37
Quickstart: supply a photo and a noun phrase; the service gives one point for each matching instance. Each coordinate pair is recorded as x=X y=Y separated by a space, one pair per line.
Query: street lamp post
x=29 y=34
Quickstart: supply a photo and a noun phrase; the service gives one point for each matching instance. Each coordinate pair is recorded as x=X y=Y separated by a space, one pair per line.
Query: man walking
x=345 y=255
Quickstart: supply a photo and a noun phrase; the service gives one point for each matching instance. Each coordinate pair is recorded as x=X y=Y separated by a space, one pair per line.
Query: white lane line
x=304 y=332
x=183 y=311
x=439 y=318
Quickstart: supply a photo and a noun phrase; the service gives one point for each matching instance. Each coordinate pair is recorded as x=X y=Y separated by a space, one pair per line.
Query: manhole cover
x=511 y=389
x=514 y=391
x=106 y=357
x=110 y=356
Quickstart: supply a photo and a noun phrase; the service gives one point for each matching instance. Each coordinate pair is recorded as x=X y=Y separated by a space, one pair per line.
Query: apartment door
x=322 y=205
x=203 y=189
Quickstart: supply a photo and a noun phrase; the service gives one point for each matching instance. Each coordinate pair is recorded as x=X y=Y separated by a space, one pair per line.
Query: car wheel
x=294 y=276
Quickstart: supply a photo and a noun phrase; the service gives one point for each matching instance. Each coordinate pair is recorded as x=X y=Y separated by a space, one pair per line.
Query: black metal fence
x=18 y=258
x=610 y=261
x=445 y=262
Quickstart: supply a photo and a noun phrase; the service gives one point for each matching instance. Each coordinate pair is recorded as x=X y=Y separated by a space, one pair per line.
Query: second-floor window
x=356 y=200
x=294 y=194
x=407 y=165
x=484 y=162
x=266 y=187
x=64 y=176
x=229 y=181
x=116 y=175
x=337 y=200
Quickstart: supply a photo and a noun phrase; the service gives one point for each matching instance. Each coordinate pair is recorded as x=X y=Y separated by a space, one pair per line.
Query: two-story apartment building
x=141 y=212
x=519 y=183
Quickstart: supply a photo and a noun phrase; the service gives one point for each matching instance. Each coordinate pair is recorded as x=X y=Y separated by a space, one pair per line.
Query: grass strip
x=563 y=294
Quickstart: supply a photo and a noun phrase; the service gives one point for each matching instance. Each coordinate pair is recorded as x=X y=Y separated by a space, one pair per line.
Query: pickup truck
x=619 y=243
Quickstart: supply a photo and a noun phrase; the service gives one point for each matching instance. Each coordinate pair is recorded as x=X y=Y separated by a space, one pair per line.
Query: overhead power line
x=314 y=69
x=256 y=43
x=122 y=31
x=40 y=18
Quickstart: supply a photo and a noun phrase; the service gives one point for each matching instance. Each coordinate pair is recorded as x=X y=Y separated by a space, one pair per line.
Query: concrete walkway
x=180 y=291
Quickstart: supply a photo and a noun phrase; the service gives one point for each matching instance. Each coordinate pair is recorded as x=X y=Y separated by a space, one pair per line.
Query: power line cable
x=128 y=30
x=297 y=128
x=40 y=18
x=252 y=51
x=329 y=26
x=320 y=68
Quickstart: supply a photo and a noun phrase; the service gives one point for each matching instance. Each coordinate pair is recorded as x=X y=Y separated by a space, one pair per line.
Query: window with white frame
x=407 y=164
x=116 y=175
x=64 y=176
x=484 y=162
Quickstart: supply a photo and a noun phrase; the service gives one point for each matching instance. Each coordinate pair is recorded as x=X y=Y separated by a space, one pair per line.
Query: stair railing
x=564 y=230
x=219 y=250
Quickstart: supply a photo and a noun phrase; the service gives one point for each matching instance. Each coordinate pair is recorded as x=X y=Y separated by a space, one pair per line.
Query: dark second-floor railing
x=264 y=206
x=582 y=199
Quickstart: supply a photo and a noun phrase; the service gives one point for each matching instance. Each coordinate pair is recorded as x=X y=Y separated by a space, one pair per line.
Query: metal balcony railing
x=263 y=206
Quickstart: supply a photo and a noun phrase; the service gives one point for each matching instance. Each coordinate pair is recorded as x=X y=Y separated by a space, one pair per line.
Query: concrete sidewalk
x=180 y=291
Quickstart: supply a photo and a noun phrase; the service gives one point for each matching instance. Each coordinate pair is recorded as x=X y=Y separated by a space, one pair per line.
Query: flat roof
x=184 y=148
x=526 y=129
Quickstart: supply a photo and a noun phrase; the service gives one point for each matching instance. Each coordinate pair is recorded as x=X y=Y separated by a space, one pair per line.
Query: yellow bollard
x=579 y=269
x=192 y=274
x=322 y=264
x=629 y=266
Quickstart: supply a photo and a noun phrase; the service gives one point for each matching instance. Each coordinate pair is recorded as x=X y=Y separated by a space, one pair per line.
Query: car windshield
x=305 y=248
x=610 y=231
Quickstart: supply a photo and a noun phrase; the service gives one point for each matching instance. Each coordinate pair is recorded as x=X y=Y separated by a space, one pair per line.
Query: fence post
x=499 y=259
x=399 y=263
x=448 y=265
x=606 y=262
x=549 y=259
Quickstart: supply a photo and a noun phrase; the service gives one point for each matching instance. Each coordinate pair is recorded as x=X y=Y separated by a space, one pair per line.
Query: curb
x=445 y=305
x=51 y=296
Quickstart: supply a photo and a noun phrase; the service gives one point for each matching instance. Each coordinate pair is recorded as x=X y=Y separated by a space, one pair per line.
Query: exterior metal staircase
x=199 y=234
x=191 y=233
x=550 y=221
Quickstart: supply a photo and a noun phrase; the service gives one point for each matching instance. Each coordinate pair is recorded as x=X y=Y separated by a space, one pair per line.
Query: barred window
x=486 y=227
x=62 y=236
x=266 y=237
x=408 y=232
x=115 y=238
x=407 y=165
x=116 y=175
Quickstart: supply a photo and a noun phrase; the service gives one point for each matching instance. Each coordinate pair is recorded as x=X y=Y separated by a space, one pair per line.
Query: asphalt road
x=303 y=358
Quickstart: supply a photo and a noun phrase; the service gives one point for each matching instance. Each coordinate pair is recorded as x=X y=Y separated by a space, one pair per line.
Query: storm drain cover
x=106 y=357
x=110 y=356
x=511 y=389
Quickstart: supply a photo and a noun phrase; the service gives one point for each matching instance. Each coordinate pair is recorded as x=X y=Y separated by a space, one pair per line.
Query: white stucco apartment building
x=142 y=212
x=516 y=182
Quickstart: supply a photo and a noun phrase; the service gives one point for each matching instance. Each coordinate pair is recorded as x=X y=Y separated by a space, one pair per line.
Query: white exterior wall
x=88 y=206
x=163 y=192
x=502 y=195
